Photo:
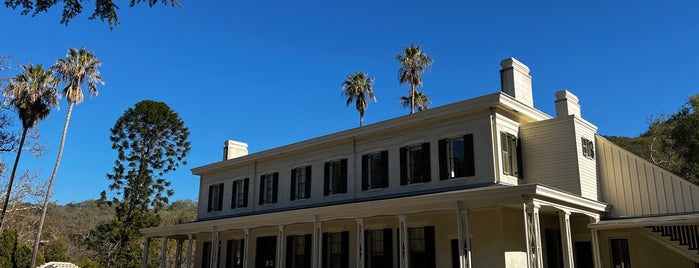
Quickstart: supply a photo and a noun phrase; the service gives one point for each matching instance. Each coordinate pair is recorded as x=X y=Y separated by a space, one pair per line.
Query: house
x=486 y=182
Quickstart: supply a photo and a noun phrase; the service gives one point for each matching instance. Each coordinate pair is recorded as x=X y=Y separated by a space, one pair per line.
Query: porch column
x=596 y=256
x=146 y=245
x=403 y=242
x=566 y=240
x=246 y=247
x=178 y=253
x=360 y=243
x=533 y=235
x=317 y=253
x=190 y=249
x=163 y=253
x=280 y=247
x=464 y=241
x=214 y=248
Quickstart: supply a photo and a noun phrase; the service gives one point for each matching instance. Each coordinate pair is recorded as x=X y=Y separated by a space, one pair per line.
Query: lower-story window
x=235 y=253
x=620 y=253
x=336 y=250
x=379 y=248
x=298 y=251
x=421 y=246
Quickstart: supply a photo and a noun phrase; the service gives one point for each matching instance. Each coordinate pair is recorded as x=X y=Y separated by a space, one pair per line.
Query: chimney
x=516 y=81
x=567 y=104
x=233 y=149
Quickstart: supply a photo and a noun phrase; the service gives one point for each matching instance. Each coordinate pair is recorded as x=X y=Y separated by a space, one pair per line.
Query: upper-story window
x=215 y=197
x=269 y=185
x=240 y=193
x=511 y=155
x=588 y=148
x=301 y=183
x=375 y=170
x=335 y=177
x=415 y=164
x=456 y=157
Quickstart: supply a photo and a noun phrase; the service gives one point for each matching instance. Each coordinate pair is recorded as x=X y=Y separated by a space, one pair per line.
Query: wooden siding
x=636 y=187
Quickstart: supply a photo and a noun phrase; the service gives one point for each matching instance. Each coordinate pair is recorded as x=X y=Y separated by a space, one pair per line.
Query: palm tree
x=78 y=67
x=358 y=87
x=421 y=101
x=413 y=64
x=31 y=94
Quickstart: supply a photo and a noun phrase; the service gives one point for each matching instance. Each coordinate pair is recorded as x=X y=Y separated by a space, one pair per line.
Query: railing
x=686 y=235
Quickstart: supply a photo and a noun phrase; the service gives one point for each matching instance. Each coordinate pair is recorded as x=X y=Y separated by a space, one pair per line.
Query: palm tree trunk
x=361 y=120
x=412 y=98
x=48 y=191
x=12 y=176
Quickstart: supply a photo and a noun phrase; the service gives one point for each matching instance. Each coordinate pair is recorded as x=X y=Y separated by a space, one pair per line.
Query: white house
x=486 y=182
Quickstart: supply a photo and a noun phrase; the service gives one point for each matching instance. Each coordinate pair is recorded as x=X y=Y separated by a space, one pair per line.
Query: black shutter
x=290 y=251
x=387 y=248
x=443 y=161
x=326 y=179
x=365 y=172
x=469 y=156
x=262 y=189
x=229 y=252
x=520 y=167
x=242 y=251
x=428 y=165
x=429 y=246
x=246 y=188
x=275 y=187
x=292 y=195
x=403 y=166
x=234 y=198
x=307 y=250
x=219 y=206
x=210 y=199
x=325 y=250
x=344 y=246
x=384 y=169
x=343 y=181
x=308 y=182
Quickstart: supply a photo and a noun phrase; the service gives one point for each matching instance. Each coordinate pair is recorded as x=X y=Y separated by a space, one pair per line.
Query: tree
x=104 y=9
x=31 y=94
x=359 y=87
x=685 y=136
x=421 y=101
x=151 y=140
x=413 y=64
x=78 y=67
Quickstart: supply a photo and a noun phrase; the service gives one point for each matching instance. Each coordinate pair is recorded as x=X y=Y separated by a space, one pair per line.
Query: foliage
x=685 y=136
x=413 y=64
x=421 y=100
x=358 y=87
x=104 y=9
x=13 y=253
x=151 y=140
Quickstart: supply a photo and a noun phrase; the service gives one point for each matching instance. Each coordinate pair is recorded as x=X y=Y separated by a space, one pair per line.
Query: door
x=266 y=252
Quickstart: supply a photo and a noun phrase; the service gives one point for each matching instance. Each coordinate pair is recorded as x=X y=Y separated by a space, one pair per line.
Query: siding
x=636 y=187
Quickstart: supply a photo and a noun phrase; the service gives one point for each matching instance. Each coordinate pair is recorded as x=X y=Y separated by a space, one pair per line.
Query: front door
x=266 y=252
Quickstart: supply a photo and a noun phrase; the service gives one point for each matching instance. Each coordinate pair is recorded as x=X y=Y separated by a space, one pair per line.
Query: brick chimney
x=567 y=104
x=516 y=81
x=233 y=149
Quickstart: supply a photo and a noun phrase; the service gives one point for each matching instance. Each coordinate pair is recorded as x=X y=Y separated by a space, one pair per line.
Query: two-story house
x=486 y=182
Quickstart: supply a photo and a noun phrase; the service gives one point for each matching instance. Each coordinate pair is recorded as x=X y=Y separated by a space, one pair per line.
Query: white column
x=178 y=253
x=533 y=235
x=280 y=247
x=361 y=251
x=246 y=247
x=214 y=248
x=566 y=239
x=190 y=250
x=464 y=241
x=144 y=261
x=596 y=256
x=163 y=253
x=317 y=253
x=403 y=242
x=537 y=236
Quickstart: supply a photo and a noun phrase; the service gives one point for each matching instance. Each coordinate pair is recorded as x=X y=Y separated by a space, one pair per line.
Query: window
x=240 y=193
x=336 y=250
x=511 y=155
x=421 y=246
x=620 y=253
x=415 y=164
x=215 y=197
x=269 y=184
x=335 y=177
x=298 y=251
x=301 y=183
x=456 y=157
x=379 y=248
x=235 y=253
x=588 y=148
x=375 y=170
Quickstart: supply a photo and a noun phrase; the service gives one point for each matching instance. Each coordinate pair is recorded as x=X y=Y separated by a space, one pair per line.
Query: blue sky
x=268 y=73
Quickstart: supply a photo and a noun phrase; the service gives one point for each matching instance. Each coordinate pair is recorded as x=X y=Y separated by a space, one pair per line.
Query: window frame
x=269 y=188
x=240 y=193
x=414 y=161
x=511 y=150
x=335 y=177
x=588 y=148
x=215 y=197
x=375 y=170
x=448 y=167
x=301 y=189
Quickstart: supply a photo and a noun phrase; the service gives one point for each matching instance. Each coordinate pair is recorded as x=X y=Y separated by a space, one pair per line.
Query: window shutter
x=387 y=247
x=384 y=169
x=275 y=186
x=308 y=182
x=292 y=194
x=210 y=199
x=219 y=205
x=234 y=198
x=246 y=185
x=505 y=153
x=325 y=250
x=365 y=172
x=326 y=179
x=290 y=251
x=343 y=181
x=443 y=161
x=242 y=251
x=428 y=165
x=344 y=246
x=403 y=166
x=469 y=156
x=429 y=246
x=307 y=249
x=520 y=168
x=262 y=189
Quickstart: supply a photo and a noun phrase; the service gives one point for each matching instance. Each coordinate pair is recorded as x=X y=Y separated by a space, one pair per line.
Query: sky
x=268 y=73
